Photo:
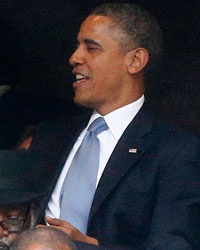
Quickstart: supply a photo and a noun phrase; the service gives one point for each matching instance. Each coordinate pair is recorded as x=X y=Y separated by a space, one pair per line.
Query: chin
x=82 y=102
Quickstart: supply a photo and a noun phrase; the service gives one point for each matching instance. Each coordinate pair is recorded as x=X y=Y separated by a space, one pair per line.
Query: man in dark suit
x=147 y=186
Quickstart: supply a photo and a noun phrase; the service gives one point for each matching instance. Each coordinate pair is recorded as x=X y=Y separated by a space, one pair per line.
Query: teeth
x=79 y=77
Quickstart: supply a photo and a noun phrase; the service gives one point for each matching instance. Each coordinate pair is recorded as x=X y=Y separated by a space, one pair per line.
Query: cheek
x=105 y=74
x=102 y=75
x=111 y=69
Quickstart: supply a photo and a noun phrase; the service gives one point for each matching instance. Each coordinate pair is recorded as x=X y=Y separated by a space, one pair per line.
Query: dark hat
x=18 y=182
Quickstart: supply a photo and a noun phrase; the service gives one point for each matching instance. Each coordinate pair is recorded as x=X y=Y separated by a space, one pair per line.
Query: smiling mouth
x=81 y=78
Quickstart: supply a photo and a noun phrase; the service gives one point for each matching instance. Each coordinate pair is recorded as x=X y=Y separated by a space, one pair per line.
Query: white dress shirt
x=117 y=122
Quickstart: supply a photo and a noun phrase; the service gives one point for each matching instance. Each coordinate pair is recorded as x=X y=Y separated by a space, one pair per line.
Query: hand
x=70 y=230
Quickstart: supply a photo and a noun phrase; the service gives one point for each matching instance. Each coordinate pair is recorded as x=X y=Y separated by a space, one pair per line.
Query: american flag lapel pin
x=132 y=150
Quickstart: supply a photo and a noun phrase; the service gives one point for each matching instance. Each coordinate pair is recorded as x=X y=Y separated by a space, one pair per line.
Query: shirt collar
x=119 y=119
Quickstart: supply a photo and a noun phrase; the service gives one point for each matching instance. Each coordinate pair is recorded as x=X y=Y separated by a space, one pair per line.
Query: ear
x=136 y=60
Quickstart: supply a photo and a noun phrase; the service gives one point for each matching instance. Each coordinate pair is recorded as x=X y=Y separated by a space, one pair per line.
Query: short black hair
x=47 y=237
x=138 y=28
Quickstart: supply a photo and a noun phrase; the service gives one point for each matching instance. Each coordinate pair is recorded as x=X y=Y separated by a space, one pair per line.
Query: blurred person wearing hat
x=19 y=191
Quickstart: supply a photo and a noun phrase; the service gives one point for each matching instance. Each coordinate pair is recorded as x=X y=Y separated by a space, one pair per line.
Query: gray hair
x=137 y=28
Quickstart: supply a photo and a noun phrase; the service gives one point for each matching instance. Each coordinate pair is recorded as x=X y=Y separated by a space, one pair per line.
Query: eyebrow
x=91 y=42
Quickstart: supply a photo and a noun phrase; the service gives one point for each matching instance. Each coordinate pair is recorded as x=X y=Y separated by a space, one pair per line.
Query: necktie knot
x=98 y=125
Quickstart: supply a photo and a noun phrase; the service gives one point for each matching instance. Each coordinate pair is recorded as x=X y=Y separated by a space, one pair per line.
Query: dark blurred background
x=45 y=31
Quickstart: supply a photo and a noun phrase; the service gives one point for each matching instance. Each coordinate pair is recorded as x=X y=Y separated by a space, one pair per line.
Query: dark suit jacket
x=144 y=200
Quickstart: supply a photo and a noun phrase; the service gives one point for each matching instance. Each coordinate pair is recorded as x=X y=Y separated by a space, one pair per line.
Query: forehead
x=97 y=27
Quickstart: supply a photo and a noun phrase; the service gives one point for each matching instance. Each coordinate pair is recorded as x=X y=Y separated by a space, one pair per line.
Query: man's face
x=12 y=218
x=98 y=64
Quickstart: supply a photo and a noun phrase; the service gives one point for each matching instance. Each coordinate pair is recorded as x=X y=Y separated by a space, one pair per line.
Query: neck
x=130 y=94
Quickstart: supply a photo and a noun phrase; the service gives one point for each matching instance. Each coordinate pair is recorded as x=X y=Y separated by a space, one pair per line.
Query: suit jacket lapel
x=121 y=159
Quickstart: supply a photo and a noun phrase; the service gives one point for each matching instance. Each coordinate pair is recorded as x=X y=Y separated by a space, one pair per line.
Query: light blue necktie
x=80 y=183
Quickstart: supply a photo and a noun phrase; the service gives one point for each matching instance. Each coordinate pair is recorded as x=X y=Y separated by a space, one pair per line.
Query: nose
x=77 y=58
